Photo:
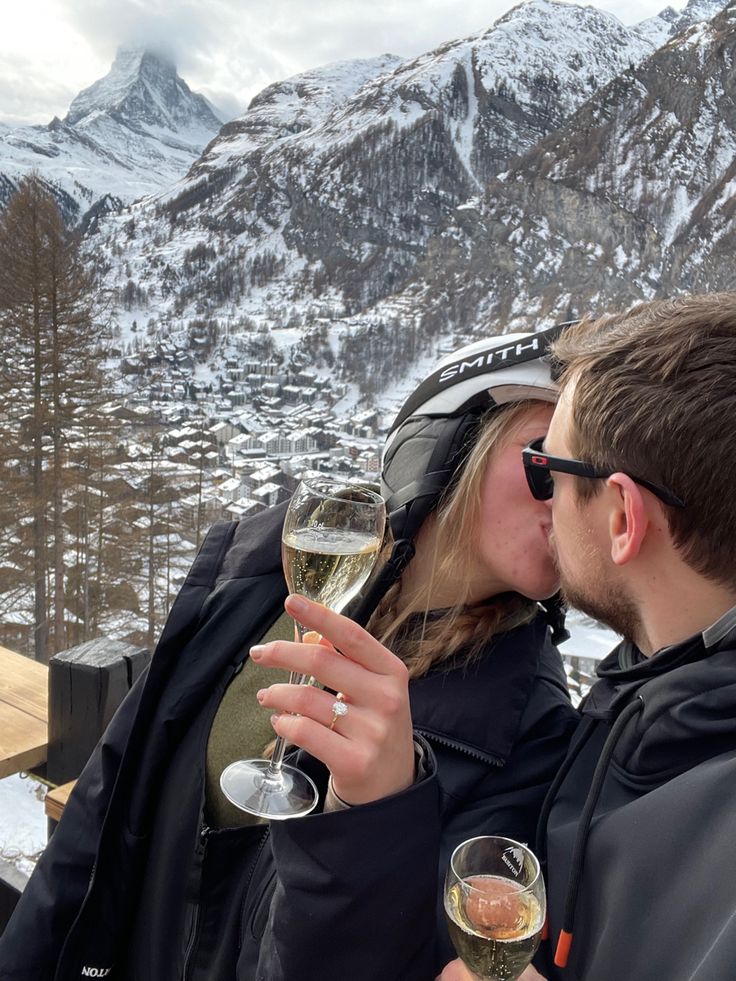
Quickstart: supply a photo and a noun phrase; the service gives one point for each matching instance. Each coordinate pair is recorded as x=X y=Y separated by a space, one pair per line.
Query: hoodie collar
x=721 y=630
x=625 y=669
x=688 y=704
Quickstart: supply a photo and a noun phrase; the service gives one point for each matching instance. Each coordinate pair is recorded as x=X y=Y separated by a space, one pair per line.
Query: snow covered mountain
x=133 y=132
x=632 y=198
x=554 y=163
x=332 y=184
x=670 y=22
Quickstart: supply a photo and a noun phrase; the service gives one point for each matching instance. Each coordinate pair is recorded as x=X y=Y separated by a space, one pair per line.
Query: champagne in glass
x=330 y=541
x=327 y=565
x=495 y=906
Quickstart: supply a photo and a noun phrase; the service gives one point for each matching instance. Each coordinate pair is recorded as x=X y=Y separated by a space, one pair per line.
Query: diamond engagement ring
x=339 y=708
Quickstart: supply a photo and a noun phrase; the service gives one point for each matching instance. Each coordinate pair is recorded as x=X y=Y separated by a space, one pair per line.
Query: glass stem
x=273 y=773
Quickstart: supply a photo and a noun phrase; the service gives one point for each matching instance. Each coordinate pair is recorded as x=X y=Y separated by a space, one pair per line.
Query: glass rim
x=511 y=841
x=376 y=501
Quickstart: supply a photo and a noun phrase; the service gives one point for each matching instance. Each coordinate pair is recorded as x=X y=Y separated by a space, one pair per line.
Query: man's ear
x=628 y=519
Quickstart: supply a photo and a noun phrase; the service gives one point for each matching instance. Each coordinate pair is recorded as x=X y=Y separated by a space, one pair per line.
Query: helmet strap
x=554 y=612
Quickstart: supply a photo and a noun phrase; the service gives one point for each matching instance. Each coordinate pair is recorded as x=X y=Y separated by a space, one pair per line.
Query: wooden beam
x=56 y=799
x=87 y=683
x=23 y=741
x=23 y=713
x=24 y=684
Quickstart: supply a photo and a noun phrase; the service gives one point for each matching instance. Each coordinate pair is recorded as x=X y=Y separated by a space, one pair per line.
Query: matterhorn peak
x=131 y=133
x=143 y=91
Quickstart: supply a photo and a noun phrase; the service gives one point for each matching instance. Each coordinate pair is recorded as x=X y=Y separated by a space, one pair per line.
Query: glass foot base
x=246 y=784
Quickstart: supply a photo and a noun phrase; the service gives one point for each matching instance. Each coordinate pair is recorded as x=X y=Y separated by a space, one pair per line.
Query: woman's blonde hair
x=463 y=630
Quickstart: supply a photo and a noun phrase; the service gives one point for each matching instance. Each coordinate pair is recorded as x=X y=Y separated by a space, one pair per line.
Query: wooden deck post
x=86 y=685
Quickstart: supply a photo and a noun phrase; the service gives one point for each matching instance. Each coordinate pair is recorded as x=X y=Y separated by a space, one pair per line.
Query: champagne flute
x=330 y=541
x=495 y=906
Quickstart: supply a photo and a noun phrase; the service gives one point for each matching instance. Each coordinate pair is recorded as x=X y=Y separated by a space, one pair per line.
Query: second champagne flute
x=330 y=541
x=495 y=906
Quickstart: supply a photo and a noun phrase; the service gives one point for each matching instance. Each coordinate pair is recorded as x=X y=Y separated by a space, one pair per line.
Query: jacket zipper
x=67 y=939
x=204 y=834
x=459 y=747
x=246 y=891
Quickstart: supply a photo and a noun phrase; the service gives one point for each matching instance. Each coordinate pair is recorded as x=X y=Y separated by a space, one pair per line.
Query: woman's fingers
x=344 y=752
x=363 y=769
x=350 y=639
x=369 y=749
x=317 y=660
x=337 y=753
x=308 y=701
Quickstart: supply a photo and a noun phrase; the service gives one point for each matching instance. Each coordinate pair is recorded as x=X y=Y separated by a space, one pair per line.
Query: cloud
x=218 y=47
x=172 y=25
x=259 y=43
x=27 y=93
x=237 y=47
x=227 y=49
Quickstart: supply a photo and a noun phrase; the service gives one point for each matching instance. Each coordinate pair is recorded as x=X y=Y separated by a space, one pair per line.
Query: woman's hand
x=457 y=971
x=370 y=749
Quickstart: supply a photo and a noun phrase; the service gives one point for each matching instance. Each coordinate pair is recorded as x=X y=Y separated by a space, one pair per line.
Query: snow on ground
x=588 y=638
x=22 y=821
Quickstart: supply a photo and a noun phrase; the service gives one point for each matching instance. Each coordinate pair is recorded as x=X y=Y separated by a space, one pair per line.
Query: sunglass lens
x=540 y=482
x=538 y=477
x=545 y=484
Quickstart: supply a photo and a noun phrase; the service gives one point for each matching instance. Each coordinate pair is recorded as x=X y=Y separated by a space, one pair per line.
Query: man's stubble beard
x=601 y=599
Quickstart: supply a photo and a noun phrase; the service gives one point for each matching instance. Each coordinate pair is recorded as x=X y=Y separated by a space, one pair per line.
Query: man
x=639 y=829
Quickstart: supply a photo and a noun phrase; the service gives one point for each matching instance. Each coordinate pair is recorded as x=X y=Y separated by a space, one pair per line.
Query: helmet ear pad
x=425 y=457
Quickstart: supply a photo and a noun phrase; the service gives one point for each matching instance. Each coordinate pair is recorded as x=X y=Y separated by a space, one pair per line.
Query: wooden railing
x=23 y=713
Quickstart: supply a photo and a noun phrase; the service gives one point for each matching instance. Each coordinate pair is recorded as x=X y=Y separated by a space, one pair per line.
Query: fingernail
x=260 y=695
x=256 y=653
x=274 y=720
x=297 y=604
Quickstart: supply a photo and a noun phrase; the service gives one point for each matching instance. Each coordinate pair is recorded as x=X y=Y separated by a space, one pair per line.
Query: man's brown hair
x=655 y=397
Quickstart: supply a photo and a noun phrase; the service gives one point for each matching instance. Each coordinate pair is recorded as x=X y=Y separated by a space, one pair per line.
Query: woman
x=473 y=670
x=150 y=876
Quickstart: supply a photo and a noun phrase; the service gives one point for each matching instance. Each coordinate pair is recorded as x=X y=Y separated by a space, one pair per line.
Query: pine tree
x=50 y=381
x=149 y=532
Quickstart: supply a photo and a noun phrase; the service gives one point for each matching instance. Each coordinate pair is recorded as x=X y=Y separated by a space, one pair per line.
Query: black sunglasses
x=538 y=464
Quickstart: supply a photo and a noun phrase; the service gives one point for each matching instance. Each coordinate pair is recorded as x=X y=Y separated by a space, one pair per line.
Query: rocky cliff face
x=144 y=93
x=632 y=198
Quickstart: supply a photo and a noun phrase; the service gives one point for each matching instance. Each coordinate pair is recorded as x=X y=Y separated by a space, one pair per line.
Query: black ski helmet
x=429 y=439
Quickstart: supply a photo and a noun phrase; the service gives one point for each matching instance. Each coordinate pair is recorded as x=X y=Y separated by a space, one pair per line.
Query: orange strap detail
x=563 y=948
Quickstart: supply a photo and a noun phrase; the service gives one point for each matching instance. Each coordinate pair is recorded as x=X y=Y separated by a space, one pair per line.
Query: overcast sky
x=226 y=49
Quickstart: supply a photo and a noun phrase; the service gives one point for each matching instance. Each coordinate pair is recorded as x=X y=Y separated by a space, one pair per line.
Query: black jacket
x=657 y=893
x=132 y=885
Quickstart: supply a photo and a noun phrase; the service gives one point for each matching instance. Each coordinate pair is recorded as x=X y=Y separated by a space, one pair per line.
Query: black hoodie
x=647 y=887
